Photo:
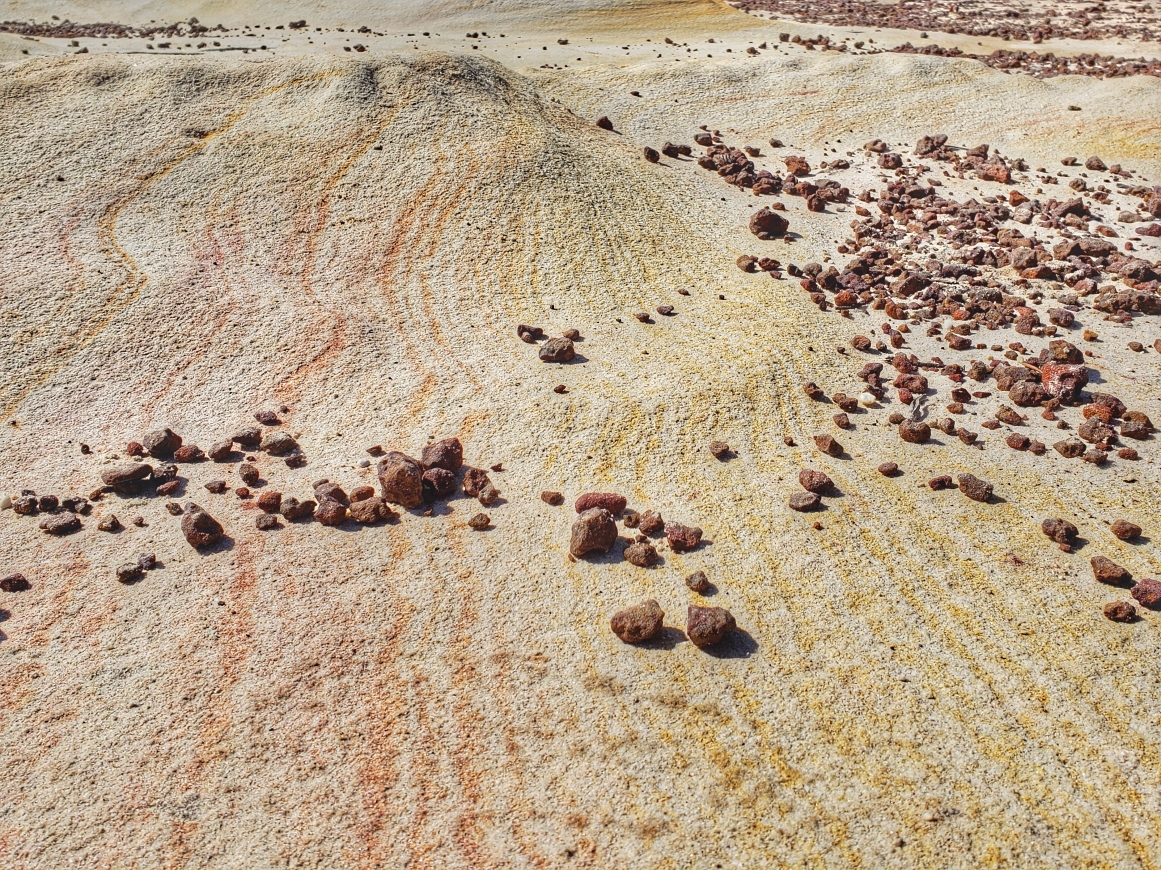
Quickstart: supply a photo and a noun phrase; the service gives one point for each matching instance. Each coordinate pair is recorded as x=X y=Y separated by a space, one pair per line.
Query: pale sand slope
x=226 y=238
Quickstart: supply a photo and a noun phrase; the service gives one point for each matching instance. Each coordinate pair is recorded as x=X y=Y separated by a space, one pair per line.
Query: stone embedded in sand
x=682 y=537
x=638 y=623
x=199 y=528
x=371 y=510
x=267 y=418
x=706 y=626
x=276 y=442
x=974 y=488
x=913 y=432
x=14 y=583
x=1107 y=571
x=217 y=487
x=1120 y=611
x=161 y=442
x=890 y=160
x=402 y=479
x=267 y=522
x=1148 y=593
x=61 y=524
x=126 y=475
x=557 y=350
x=814 y=481
x=447 y=454
x=796 y=165
x=767 y=224
x=593 y=530
x=1125 y=530
x=610 y=501
x=129 y=573
x=1026 y=394
x=642 y=554
x=109 y=524
x=719 y=449
x=479 y=522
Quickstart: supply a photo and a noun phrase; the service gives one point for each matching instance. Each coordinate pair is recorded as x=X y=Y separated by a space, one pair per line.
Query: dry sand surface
x=190 y=236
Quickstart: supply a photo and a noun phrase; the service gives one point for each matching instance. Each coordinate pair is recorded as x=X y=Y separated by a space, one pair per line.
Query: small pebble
x=1125 y=530
x=888 y=469
x=698 y=582
x=555 y=499
x=638 y=623
x=479 y=522
x=1120 y=611
x=706 y=626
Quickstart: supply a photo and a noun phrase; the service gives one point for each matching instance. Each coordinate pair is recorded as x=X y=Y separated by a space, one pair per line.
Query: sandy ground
x=189 y=238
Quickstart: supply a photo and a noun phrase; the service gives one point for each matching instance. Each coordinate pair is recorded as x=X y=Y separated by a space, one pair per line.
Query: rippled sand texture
x=184 y=241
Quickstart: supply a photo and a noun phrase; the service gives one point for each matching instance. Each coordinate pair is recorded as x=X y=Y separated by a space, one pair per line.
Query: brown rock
x=706 y=626
x=14 y=583
x=371 y=510
x=109 y=524
x=125 y=475
x=327 y=491
x=1107 y=571
x=610 y=501
x=1125 y=530
x=557 y=350
x=330 y=512
x=161 y=442
x=294 y=510
x=719 y=449
x=974 y=488
x=805 y=501
x=814 y=481
x=555 y=499
x=361 y=492
x=593 y=530
x=638 y=623
x=1093 y=431
x=1064 y=380
x=1060 y=531
x=438 y=483
x=217 y=487
x=220 y=450
x=813 y=391
x=402 y=479
x=249 y=436
x=1120 y=611
x=188 y=453
x=1069 y=448
x=828 y=445
x=699 y=583
x=682 y=537
x=767 y=224
x=278 y=443
x=604 y=123
x=642 y=554
x=650 y=523
x=267 y=522
x=1027 y=393
x=1148 y=593
x=914 y=432
x=61 y=524
x=479 y=522
x=888 y=469
x=199 y=528
x=1018 y=441
x=1133 y=429
x=447 y=454
x=270 y=501
x=249 y=474
x=651 y=154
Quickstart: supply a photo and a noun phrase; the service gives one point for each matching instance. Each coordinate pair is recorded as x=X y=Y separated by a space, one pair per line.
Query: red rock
x=447 y=454
x=610 y=501
x=767 y=224
x=402 y=479
x=200 y=529
x=1107 y=571
x=639 y=623
x=706 y=626
x=1148 y=593
x=593 y=530
x=682 y=537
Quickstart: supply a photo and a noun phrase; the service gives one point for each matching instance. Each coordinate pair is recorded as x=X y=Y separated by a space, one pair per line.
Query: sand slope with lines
x=185 y=241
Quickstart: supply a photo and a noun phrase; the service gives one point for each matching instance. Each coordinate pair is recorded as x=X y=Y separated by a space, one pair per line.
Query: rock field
x=579 y=433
